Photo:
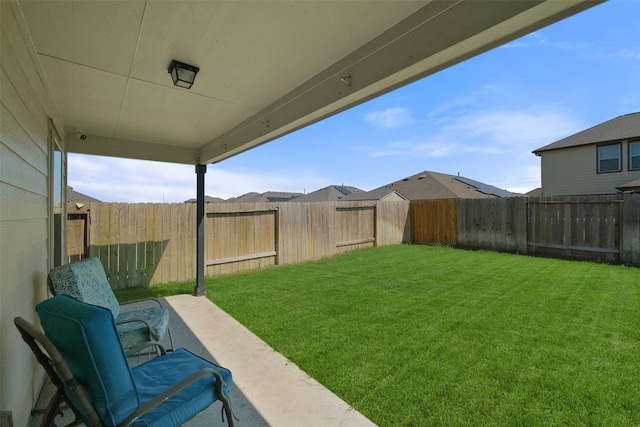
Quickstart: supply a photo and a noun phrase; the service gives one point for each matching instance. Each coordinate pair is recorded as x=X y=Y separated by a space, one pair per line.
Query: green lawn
x=417 y=335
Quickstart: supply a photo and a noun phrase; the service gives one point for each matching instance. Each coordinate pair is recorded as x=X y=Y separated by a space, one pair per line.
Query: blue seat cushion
x=134 y=333
x=86 y=337
x=157 y=375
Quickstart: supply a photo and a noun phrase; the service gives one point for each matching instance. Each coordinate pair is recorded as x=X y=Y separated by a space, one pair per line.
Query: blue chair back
x=87 y=339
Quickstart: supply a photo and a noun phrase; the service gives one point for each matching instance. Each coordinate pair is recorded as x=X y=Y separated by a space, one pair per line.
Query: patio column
x=200 y=289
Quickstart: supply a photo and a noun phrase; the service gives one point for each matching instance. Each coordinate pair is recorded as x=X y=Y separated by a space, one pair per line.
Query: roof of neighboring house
x=330 y=193
x=269 y=196
x=74 y=196
x=434 y=185
x=632 y=187
x=207 y=199
x=536 y=192
x=377 y=194
x=622 y=127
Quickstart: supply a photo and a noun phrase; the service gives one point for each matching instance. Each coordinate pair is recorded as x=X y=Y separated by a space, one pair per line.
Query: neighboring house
x=434 y=185
x=382 y=193
x=330 y=193
x=77 y=197
x=536 y=192
x=207 y=199
x=604 y=159
x=269 y=196
x=630 y=187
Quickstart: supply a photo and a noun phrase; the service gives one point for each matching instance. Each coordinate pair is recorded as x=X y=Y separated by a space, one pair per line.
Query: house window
x=634 y=155
x=609 y=158
x=57 y=196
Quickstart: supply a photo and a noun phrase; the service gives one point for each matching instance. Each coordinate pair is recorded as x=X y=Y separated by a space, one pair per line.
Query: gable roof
x=330 y=193
x=75 y=196
x=207 y=199
x=269 y=196
x=630 y=187
x=433 y=185
x=381 y=193
x=618 y=129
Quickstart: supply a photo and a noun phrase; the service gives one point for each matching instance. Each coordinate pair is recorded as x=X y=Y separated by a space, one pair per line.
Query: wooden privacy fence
x=603 y=228
x=145 y=244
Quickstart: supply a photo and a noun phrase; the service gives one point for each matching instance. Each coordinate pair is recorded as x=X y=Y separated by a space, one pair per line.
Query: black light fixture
x=183 y=75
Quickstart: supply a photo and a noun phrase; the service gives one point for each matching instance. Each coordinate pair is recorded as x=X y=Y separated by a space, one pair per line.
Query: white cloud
x=136 y=181
x=514 y=128
x=495 y=131
x=539 y=39
x=391 y=118
x=624 y=54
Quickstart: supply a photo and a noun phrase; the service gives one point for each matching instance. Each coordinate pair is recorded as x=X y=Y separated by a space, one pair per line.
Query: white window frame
x=634 y=143
x=57 y=199
x=619 y=157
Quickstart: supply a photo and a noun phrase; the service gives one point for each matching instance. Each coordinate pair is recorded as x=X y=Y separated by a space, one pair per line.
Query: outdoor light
x=182 y=74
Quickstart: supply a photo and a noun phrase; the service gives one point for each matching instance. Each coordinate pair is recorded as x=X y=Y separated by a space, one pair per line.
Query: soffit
x=267 y=68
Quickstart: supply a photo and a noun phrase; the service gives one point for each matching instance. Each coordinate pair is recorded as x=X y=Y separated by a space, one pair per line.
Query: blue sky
x=481 y=118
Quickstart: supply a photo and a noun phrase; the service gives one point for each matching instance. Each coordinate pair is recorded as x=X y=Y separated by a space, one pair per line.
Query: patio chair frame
x=60 y=374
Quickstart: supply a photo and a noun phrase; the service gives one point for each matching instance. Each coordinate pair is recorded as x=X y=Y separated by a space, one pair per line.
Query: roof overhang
x=266 y=68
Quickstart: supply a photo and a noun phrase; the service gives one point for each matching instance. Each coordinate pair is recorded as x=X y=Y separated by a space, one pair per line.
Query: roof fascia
x=395 y=58
x=128 y=149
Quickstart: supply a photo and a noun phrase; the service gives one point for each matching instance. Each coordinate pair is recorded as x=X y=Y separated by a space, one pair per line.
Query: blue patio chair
x=86 y=281
x=83 y=344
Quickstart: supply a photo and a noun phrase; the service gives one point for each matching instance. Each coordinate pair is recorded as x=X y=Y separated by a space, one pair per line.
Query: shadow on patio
x=268 y=389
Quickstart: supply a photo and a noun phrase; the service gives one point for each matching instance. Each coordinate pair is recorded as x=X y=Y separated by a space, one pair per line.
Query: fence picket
x=145 y=244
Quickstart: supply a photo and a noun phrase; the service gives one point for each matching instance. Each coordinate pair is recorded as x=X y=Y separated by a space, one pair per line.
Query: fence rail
x=600 y=228
x=145 y=244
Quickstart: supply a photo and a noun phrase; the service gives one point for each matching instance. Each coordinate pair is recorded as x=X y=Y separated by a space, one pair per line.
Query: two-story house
x=604 y=159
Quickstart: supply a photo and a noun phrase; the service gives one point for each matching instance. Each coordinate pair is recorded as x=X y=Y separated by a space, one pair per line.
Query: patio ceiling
x=266 y=67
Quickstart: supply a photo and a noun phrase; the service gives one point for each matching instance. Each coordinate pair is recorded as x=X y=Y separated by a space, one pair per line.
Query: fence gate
x=585 y=228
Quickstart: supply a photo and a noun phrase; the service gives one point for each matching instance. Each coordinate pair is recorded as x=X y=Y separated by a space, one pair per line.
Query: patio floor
x=269 y=390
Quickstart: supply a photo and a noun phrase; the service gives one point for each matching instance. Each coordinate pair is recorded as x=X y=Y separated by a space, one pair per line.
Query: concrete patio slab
x=269 y=390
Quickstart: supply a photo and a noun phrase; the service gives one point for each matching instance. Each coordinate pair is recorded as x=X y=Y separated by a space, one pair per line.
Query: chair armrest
x=137 y=349
x=135 y=320
x=143 y=300
x=174 y=390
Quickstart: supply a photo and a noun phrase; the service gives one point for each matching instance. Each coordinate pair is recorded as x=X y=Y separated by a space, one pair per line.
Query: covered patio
x=269 y=390
x=92 y=78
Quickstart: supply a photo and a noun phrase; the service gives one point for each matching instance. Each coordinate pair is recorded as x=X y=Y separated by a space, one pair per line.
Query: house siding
x=25 y=107
x=573 y=171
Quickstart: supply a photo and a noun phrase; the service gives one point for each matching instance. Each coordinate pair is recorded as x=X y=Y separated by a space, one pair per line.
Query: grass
x=417 y=335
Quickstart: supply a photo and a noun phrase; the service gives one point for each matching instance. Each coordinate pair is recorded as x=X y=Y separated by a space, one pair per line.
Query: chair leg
x=226 y=405
x=52 y=410
x=170 y=340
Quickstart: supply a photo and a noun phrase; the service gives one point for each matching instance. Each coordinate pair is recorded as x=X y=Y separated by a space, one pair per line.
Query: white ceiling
x=266 y=67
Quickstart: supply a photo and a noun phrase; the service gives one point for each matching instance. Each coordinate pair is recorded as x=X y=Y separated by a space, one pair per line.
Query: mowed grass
x=417 y=335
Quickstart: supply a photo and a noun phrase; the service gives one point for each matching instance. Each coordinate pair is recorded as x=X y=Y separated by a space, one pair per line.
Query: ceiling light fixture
x=183 y=75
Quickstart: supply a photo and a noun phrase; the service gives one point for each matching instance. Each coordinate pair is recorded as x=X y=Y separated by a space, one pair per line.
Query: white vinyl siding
x=573 y=171
x=25 y=105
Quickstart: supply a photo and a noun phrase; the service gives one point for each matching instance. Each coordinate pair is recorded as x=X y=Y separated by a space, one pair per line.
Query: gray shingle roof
x=630 y=186
x=377 y=194
x=269 y=196
x=330 y=193
x=74 y=196
x=207 y=199
x=622 y=127
x=433 y=185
